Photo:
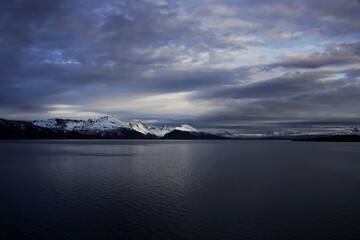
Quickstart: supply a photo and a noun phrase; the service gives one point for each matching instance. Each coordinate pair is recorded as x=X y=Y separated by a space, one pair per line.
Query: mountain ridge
x=105 y=127
x=108 y=127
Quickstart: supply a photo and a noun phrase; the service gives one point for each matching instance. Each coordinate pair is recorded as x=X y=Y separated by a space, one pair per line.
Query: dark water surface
x=179 y=190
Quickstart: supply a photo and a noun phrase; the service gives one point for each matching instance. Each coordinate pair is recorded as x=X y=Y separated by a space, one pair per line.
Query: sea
x=179 y=189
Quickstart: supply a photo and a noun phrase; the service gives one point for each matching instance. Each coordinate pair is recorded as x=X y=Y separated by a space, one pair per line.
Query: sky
x=232 y=64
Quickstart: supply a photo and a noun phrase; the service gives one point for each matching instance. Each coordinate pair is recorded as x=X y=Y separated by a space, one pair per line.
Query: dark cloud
x=330 y=18
x=335 y=54
x=295 y=99
x=289 y=84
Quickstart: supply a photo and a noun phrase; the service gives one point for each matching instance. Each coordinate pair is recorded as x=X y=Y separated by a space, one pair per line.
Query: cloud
x=298 y=98
x=335 y=54
x=238 y=59
x=288 y=84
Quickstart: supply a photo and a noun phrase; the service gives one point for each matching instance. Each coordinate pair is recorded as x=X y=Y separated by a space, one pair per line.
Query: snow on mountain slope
x=90 y=125
x=348 y=131
x=61 y=124
x=225 y=134
x=107 y=123
x=49 y=123
x=286 y=133
x=160 y=131
x=140 y=127
x=186 y=128
x=102 y=123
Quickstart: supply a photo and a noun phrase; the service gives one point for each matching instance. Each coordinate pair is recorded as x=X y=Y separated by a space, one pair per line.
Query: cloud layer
x=226 y=64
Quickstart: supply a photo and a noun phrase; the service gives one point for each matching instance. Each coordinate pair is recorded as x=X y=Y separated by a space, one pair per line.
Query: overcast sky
x=237 y=64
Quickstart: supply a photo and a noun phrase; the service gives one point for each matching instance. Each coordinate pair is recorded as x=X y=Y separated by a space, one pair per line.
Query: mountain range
x=103 y=128
x=112 y=128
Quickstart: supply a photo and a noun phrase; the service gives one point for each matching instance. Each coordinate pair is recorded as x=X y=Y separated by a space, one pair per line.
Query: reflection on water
x=179 y=190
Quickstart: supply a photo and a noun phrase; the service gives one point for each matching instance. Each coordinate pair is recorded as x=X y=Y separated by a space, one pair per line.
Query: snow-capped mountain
x=348 y=131
x=225 y=134
x=186 y=128
x=101 y=124
x=106 y=125
x=188 y=132
x=60 y=124
x=160 y=131
x=179 y=134
x=351 y=134
x=140 y=127
x=157 y=131
x=283 y=134
x=13 y=129
x=92 y=124
x=112 y=128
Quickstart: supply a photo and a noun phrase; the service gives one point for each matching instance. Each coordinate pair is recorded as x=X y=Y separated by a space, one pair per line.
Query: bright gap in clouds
x=160 y=104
